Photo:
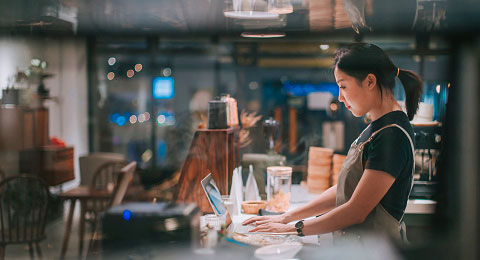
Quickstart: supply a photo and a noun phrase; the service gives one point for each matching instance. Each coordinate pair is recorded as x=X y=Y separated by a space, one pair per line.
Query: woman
x=377 y=175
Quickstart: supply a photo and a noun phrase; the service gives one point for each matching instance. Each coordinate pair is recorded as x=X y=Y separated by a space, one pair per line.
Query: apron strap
x=413 y=152
x=358 y=138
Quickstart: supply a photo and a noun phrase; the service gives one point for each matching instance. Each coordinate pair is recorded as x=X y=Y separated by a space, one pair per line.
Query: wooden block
x=319 y=160
x=321 y=151
x=319 y=169
x=211 y=151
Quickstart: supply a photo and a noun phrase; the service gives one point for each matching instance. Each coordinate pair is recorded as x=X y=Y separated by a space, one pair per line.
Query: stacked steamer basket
x=319 y=169
x=338 y=160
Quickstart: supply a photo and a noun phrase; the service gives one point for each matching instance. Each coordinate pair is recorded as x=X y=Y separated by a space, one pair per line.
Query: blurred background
x=133 y=79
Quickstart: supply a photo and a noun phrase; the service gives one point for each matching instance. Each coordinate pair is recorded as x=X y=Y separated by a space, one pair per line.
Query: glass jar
x=228 y=203
x=279 y=185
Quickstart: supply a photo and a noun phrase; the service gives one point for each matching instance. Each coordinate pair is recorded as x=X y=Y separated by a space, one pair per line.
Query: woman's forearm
x=371 y=188
x=323 y=203
x=340 y=217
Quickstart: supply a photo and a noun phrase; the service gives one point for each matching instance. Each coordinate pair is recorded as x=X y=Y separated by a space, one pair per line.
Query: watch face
x=299 y=224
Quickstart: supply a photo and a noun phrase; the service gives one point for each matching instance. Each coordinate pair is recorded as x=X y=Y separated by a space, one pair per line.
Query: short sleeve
x=389 y=151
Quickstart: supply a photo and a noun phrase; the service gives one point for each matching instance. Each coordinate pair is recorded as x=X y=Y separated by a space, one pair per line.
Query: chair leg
x=93 y=245
x=2 y=252
x=81 y=227
x=30 y=250
x=39 y=251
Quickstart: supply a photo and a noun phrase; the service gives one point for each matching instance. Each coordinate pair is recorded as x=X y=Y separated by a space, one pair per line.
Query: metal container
x=10 y=97
x=217 y=114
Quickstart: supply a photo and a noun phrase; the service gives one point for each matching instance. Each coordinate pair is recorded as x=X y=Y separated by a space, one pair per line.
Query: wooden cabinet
x=51 y=163
x=25 y=131
x=22 y=128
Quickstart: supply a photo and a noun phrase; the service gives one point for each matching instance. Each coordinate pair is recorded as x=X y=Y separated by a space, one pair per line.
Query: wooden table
x=83 y=194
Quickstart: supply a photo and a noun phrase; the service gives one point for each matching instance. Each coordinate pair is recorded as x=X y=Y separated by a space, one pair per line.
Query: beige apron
x=379 y=220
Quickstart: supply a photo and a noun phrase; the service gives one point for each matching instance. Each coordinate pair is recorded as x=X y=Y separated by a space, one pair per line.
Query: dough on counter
x=259 y=240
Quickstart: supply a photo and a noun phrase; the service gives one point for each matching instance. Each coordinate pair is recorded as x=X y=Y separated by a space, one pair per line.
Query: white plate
x=251 y=15
x=278 y=251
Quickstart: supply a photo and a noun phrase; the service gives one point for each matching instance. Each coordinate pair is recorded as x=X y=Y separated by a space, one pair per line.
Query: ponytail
x=413 y=86
x=360 y=59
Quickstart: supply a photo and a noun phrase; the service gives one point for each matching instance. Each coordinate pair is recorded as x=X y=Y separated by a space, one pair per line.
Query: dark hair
x=360 y=59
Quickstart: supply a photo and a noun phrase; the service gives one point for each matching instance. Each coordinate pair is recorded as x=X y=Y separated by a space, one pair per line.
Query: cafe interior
x=152 y=129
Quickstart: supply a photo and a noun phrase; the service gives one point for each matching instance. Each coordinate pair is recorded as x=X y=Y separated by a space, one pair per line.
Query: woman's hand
x=274 y=227
x=259 y=220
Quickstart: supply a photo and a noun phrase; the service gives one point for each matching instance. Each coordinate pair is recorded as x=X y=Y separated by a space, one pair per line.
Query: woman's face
x=358 y=97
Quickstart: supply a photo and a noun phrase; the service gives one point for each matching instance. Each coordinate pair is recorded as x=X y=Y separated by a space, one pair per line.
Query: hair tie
x=398 y=71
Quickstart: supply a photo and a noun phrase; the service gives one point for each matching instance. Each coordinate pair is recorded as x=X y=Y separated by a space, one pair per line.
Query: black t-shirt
x=390 y=151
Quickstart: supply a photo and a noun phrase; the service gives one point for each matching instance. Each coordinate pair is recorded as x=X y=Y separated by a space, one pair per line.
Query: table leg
x=81 y=228
x=68 y=228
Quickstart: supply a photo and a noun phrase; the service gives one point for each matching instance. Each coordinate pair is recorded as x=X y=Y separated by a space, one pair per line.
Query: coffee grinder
x=428 y=142
x=271 y=132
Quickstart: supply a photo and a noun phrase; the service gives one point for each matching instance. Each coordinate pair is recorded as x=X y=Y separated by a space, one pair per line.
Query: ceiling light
x=262 y=35
x=255 y=15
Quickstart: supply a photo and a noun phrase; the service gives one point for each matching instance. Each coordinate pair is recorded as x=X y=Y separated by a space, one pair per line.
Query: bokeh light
x=112 y=61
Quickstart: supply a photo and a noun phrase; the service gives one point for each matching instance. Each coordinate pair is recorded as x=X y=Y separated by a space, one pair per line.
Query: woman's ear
x=371 y=81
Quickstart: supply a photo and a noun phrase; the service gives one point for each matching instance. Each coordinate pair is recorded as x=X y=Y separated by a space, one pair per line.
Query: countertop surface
x=301 y=196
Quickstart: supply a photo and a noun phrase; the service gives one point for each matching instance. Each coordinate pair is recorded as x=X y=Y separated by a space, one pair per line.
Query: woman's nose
x=340 y=97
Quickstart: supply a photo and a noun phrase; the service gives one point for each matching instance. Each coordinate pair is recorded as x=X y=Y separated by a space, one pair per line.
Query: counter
x=301 y=196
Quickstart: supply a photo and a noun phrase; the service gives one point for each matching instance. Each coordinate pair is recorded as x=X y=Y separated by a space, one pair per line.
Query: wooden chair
x=23 y=212
x=104 y=178
x=110 y=179
x=125 y=178
x=110 y=176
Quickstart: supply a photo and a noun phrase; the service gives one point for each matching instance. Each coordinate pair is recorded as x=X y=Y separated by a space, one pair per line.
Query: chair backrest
x=89 y=164
x=23 y=209
x=106 y=176
x=125 y=178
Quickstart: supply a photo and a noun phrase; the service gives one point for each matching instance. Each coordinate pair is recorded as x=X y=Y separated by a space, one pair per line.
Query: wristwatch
x=299 y=226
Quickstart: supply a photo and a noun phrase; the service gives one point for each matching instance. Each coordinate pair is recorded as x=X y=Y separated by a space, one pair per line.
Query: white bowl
x=278 y=251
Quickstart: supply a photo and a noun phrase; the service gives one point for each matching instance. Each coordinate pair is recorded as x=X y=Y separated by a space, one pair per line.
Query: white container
x=278 y=251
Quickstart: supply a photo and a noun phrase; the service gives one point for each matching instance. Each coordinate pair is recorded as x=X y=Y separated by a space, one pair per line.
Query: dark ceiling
x=206 y=17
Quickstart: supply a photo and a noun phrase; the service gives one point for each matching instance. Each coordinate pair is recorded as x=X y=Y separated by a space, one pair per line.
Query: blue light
x=121 y=120
x=163 y=88
x=113 y=117
x=127 y=215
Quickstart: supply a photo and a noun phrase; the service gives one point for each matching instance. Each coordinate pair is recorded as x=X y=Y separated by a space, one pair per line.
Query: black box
x=131 y=226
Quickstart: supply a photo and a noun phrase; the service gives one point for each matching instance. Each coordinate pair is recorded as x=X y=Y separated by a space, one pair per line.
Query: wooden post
x=293 y=129
x=277 y=115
